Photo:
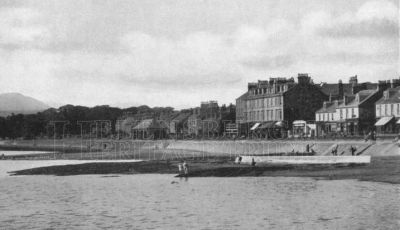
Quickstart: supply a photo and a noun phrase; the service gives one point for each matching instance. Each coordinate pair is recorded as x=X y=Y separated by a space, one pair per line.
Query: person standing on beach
x=353 y=150
x=185 y=168
x=253 y=162
x=180 y=168
x=335 y=149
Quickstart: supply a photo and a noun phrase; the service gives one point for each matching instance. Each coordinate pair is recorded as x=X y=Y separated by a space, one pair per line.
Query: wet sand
x=381 y=169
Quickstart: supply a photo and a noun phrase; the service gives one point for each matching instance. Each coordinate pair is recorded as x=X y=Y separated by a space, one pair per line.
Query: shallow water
x=154 y=202
x=17 y=153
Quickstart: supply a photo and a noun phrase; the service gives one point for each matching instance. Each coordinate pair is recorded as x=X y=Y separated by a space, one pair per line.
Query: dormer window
x=386 y=95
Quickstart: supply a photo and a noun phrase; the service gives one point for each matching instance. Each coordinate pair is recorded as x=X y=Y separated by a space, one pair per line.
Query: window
x=386 y=109
x=378 y=110
x=392 y=109
x=398 y=109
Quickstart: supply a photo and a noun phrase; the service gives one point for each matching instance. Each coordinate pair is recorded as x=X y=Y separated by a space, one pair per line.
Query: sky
x=178 y=53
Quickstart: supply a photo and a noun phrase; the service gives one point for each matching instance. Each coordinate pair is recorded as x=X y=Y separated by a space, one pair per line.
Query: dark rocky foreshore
x=381 y=169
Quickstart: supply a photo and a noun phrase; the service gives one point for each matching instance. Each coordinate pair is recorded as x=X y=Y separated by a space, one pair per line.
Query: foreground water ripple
x=152 y=202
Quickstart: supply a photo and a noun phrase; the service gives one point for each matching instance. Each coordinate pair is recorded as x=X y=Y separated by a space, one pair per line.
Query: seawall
x=213 y=147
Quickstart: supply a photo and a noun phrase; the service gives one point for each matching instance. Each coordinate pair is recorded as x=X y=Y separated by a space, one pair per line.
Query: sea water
x=152 y=201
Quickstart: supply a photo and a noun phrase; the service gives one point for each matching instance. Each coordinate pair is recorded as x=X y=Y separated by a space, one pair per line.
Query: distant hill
x=18 y=103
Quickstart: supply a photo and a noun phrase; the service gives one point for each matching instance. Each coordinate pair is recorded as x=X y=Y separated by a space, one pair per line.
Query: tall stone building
x=387 y=110
x=210 y=110
x=241 y=121
x=271 y=106
x=205 y=119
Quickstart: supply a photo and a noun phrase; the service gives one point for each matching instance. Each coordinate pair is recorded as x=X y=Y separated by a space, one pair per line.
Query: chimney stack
x=357 y=88
x=394 y=83
x=336 y=102
x=353 y=80
x=383 y=85
x=346 y=99
x=303 y=78
x=340 y=89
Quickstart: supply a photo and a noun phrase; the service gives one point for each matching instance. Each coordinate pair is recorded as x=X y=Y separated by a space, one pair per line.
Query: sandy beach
x=208 y=159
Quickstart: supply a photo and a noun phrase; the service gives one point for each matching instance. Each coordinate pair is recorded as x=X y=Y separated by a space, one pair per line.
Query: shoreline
x=381 y=169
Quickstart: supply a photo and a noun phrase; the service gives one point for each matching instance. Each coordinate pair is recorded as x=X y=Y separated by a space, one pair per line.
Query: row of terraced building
x=283 y=107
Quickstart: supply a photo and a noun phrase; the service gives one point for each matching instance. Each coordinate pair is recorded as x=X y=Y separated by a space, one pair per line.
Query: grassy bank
x=381 y=169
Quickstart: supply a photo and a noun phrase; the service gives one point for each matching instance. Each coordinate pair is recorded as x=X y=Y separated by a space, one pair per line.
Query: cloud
x=373 y=19
x=378 y=9
x=368 y=28
x=82 y=62
x=19 y=26
x=200 y=57
x=268 y=62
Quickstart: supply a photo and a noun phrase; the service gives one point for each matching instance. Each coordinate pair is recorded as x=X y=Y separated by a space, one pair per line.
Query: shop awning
x=299 y=123
x=255 y=126
x=312 y=126
x=268 y=125
x=279 y=123
x=383 y=121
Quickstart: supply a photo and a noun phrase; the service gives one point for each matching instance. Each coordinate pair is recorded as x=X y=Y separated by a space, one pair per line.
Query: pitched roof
x=181 y=117
x=363 y=95
x=333 y=88
x=150 y=124
x=194 y=116
x=243 y=96
x=330 y=108
x=394 y=96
